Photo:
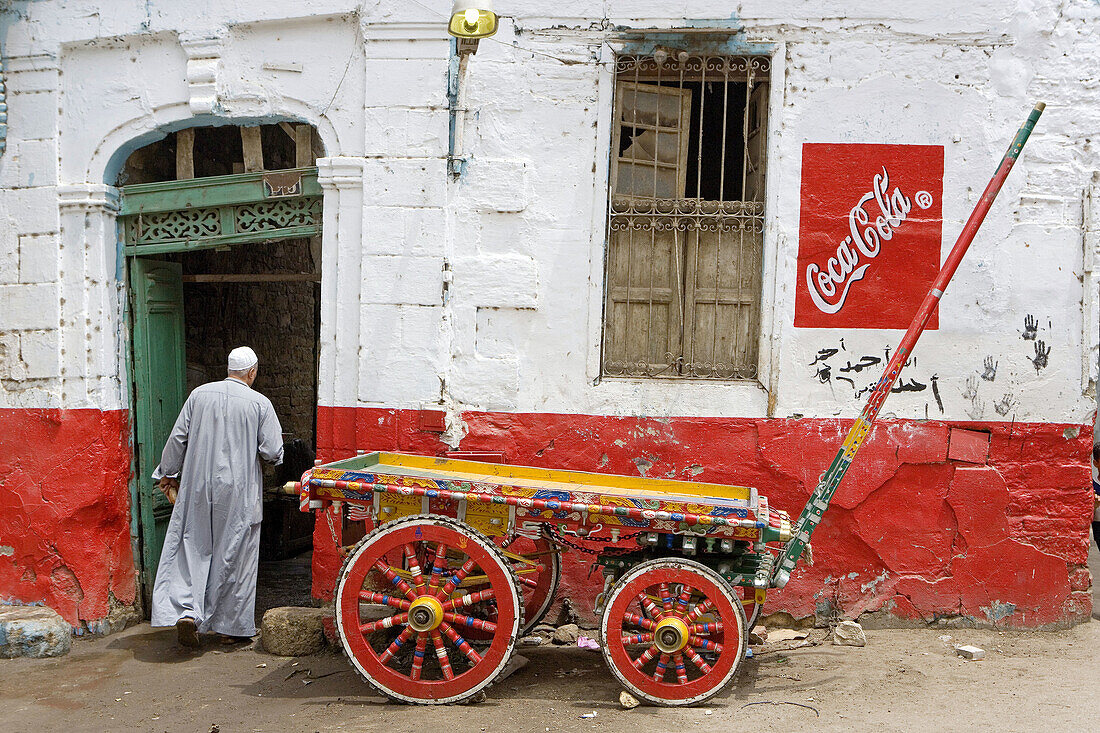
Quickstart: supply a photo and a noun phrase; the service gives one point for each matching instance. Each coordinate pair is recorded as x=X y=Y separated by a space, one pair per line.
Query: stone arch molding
x=188 y=81
x=107 y=158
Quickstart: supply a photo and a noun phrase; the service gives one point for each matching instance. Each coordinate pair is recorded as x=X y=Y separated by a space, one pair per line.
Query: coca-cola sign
x=869 y=233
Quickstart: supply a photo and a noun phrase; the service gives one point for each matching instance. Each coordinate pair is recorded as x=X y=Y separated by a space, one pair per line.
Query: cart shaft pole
x=830 y=480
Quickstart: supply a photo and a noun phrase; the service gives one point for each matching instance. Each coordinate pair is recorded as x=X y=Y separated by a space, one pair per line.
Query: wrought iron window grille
x=685 y=216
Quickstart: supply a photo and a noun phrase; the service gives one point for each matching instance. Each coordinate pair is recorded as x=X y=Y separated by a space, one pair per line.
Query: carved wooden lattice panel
x=173 y=225
x=278 y=214
x=220 y=211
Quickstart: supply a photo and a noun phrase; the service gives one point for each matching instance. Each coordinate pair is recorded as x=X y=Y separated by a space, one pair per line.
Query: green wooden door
x=157 y=291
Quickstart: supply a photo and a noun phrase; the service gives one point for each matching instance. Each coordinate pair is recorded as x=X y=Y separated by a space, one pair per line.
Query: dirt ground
x=903 y=680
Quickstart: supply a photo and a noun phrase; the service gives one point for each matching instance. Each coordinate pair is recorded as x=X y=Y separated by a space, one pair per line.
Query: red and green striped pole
x=830 y=480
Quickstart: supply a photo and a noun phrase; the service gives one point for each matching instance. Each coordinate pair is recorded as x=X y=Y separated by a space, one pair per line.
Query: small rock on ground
x=628 y=701
x=33 y=631
x=292 y=631
x=758 y=635
x=849 y=633
x=567 y=634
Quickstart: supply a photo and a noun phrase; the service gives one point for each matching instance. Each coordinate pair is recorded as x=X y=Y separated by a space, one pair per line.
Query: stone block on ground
x=292 y=631
x=33 y=631
x=849 y=633
x=758 y=635
x=972 y=653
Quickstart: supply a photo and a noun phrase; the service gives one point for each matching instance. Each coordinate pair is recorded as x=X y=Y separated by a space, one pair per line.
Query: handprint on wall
x=1031 y=328
x=971 y=391
x=976 y=411
x=1004 y=405
x=1042 y=354
x=990 y=372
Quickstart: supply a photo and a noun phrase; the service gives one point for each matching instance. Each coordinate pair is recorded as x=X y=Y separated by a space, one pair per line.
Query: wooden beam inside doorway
x=253 y=150
x=185 y=154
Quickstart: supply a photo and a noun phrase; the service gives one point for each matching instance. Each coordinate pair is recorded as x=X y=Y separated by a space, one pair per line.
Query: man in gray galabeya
x=206 y=580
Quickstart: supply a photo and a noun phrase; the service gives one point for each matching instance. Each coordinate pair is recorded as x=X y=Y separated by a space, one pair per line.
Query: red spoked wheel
x=402 y=610
x=537 y=563
x=685 y=647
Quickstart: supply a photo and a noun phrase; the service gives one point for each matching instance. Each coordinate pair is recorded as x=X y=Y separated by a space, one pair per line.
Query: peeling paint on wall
x=64 y=511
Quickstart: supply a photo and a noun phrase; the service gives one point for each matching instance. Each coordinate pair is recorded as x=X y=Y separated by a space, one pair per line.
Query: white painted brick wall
x=523 y=228
x=38 y=258
x=29 y=307
x=401 y=182
x=32 y=116
x=495 y=185
x=32 y=210
x=9 y=250
x=501 y=281
x=402 y=280
x=401 y=358
x=11 y=365
x=40 y=353
x=29 y=163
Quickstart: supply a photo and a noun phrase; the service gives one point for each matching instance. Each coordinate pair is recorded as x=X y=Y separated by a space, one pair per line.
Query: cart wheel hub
x=425 y=614
x=671 y=635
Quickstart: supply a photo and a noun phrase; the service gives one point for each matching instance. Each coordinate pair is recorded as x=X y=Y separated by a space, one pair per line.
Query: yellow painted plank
x=543 y=478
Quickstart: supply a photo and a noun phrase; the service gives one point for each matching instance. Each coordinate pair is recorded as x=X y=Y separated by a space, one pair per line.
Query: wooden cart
x=465 y=559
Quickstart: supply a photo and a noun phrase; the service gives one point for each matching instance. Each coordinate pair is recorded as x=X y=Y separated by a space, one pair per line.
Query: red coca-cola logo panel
x=869 y=234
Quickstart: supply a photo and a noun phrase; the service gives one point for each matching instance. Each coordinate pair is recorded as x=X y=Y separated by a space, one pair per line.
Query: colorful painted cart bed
x=464 y=557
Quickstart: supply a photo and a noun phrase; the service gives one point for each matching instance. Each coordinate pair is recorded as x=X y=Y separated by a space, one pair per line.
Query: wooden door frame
x=216 y=212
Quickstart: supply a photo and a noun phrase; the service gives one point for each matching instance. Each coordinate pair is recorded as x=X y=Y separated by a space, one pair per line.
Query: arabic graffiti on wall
x=869 y=234
x=857 y=374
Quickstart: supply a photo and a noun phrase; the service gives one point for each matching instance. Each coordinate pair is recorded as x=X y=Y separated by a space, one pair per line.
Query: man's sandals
x=187 y=632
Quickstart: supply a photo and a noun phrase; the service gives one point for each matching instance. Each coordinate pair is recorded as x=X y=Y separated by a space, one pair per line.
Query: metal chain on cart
x=332 y=530
x=608 y=552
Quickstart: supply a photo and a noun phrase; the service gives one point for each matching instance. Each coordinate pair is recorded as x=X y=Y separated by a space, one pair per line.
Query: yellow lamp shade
x=472 y=19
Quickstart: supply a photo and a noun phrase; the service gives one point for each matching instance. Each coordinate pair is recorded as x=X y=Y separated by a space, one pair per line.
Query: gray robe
x=208 y=564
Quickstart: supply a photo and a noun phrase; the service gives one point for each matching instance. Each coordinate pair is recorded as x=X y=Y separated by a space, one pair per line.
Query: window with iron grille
x=685 y=216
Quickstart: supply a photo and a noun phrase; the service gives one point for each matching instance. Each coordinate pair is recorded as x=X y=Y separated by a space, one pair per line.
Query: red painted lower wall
x=911 y=532
x=64 y=511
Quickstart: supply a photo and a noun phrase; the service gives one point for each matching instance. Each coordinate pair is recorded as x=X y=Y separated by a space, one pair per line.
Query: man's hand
x=168 y=483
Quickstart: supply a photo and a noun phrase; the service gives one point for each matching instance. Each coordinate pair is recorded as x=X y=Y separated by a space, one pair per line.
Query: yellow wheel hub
x=671 y=635
x=425 y=614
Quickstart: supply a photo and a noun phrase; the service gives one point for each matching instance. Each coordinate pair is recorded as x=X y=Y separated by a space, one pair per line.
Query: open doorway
x=222 y=235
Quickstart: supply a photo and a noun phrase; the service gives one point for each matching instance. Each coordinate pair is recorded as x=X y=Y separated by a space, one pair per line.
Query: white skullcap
x=242 y=358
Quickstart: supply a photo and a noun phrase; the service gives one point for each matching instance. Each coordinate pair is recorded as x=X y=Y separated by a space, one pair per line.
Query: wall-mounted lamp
x=470 y=21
